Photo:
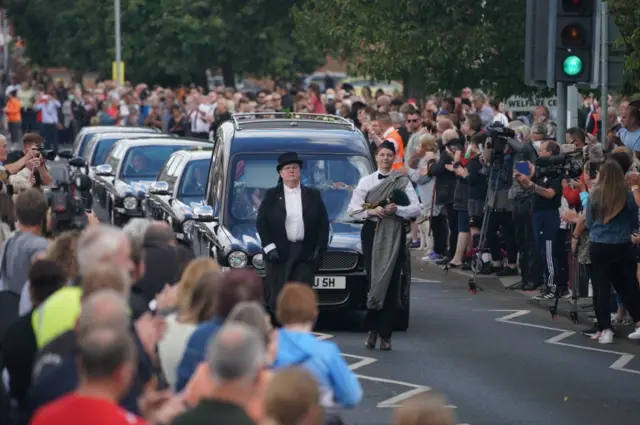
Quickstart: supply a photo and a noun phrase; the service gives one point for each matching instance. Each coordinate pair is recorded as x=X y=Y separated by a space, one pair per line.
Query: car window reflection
x=335 y=176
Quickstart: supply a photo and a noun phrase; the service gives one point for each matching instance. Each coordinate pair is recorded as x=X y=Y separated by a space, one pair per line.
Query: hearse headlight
x=258 y=261
x=130 y=203
x=237 y=259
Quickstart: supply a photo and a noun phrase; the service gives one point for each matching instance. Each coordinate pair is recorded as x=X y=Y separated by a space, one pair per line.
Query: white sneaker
x=596 y=336
x=635 y=334
x=606 y=337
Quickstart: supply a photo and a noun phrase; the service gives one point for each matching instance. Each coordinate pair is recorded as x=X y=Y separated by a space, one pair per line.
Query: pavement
x=497 y=357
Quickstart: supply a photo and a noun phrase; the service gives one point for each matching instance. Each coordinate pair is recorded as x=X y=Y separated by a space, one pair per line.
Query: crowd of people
x=122 y=324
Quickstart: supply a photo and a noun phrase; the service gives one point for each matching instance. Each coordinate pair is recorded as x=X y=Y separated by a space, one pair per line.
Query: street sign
x=525 y=104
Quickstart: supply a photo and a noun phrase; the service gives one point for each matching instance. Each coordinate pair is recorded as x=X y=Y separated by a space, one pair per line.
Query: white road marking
x=417 y=279
x=619 y=365
x=364 y=361
x=394 y=401
x=322 y=336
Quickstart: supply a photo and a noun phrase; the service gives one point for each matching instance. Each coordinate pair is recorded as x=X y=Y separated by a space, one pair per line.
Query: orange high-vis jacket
x=394 y=136
x=13 y=110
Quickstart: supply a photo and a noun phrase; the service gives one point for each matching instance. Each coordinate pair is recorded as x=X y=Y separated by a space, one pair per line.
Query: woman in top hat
x=384 y=241
x=293 y=225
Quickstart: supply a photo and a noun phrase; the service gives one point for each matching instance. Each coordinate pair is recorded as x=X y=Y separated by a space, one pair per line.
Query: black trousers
x=381 y=321
x=614 y=264
x=295 y=269
x=452 y=220
x=203 y=136
x=504 y=219
x=530 y=269
x=439 y=231
x=562 y=249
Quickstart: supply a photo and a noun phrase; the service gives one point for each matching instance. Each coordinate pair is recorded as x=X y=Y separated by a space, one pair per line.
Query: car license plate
x=330 y=282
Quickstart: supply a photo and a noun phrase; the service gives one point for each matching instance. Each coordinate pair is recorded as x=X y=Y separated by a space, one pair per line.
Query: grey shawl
x=386 y=242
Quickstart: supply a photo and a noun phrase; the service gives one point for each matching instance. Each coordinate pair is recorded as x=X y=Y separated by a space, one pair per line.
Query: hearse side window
x=102 y=149
x=335 y=176
x=173 y=171
x=215 y=195
x=164 y=173
x=90 y=147
x=115 y=156
x=194 y=181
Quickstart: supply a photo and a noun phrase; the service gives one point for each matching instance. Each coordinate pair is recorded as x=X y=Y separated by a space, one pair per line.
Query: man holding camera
x=547 y=196
x=35 y=160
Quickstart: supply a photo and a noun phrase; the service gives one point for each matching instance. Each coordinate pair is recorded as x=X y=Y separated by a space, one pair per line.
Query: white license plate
x=330 y=282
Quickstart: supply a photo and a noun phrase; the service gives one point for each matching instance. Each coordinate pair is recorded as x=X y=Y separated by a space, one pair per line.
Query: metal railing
x=292 y=119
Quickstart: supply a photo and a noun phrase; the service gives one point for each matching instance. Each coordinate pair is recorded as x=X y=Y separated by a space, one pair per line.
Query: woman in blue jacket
x=612 y=218
x=297 y=311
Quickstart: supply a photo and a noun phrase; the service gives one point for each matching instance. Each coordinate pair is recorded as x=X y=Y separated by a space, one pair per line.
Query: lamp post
x=118 y=47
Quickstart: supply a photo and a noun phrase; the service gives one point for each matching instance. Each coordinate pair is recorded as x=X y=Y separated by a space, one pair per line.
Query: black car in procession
x=179 y=190
x=99 y=146
x=243 y=167
x=121 y=183
x=86 y=133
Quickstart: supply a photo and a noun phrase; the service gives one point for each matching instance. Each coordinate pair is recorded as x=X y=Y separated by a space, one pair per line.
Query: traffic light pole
x=604 y=61
x=561 y=129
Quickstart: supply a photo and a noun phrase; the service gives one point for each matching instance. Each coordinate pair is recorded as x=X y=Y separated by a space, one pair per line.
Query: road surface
x=499 y=360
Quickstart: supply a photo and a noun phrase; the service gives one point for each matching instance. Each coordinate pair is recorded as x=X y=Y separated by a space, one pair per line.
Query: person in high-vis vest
x=387 y=132
x=99 y=245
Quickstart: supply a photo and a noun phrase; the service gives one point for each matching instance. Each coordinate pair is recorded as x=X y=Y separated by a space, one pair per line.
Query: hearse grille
x=332 y=298
x=338 y=261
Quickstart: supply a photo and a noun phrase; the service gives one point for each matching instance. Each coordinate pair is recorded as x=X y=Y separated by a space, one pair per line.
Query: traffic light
x=575 y=40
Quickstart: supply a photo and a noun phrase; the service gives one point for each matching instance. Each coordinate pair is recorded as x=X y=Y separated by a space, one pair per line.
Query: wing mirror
x=203 y=214
x=104 y=170
x=78 y=162
x=66 y=154
x=159 y=188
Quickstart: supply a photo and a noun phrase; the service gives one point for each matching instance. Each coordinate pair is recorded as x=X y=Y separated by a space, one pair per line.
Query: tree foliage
x=164 y=41
x=438 y=44
x=626 y=14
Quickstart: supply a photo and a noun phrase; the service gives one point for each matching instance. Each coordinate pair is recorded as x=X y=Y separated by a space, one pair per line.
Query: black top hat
x=387 y=144
x=288 y=158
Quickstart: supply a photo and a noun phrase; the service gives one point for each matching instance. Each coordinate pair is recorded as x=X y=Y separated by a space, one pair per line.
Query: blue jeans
x=50 y=134
x=545 y=228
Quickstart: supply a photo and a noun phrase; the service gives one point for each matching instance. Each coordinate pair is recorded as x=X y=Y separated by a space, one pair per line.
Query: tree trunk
x=228 y=75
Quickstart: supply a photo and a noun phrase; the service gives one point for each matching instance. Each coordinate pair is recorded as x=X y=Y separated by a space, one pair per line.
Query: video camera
x=497 y=141
x=568 y=165
x=70 y=201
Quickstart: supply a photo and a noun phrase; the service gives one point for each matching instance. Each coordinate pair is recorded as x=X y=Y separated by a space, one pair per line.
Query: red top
x=572 y=195
x=75 y=409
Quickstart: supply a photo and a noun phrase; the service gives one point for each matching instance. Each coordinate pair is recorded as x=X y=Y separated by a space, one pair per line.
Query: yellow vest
x=57 y=315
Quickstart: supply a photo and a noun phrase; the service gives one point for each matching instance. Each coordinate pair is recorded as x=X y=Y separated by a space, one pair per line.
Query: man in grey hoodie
x=17 y=253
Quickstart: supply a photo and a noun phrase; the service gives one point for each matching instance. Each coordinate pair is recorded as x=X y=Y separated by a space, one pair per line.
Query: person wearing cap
x=383 y=240
x=293 y=225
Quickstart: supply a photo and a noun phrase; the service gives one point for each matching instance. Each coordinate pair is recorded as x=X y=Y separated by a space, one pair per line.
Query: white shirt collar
x=380 y=173
x=291 y=190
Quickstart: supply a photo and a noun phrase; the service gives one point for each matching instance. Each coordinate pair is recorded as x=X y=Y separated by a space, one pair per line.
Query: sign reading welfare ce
x=517 y=103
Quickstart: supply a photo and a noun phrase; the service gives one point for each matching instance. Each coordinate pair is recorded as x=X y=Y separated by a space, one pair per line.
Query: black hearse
x=120 y=184
x=243 y=167
x=179 y=189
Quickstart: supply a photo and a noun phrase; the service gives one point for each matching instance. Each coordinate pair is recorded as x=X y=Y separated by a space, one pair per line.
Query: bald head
x=449 y=135
x=159 y=233
x=105 y=307
x=236 y=354
x=99 y=244
x=103 y=350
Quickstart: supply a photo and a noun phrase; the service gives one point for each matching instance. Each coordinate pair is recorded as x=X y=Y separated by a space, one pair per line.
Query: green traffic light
x=572 y=66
